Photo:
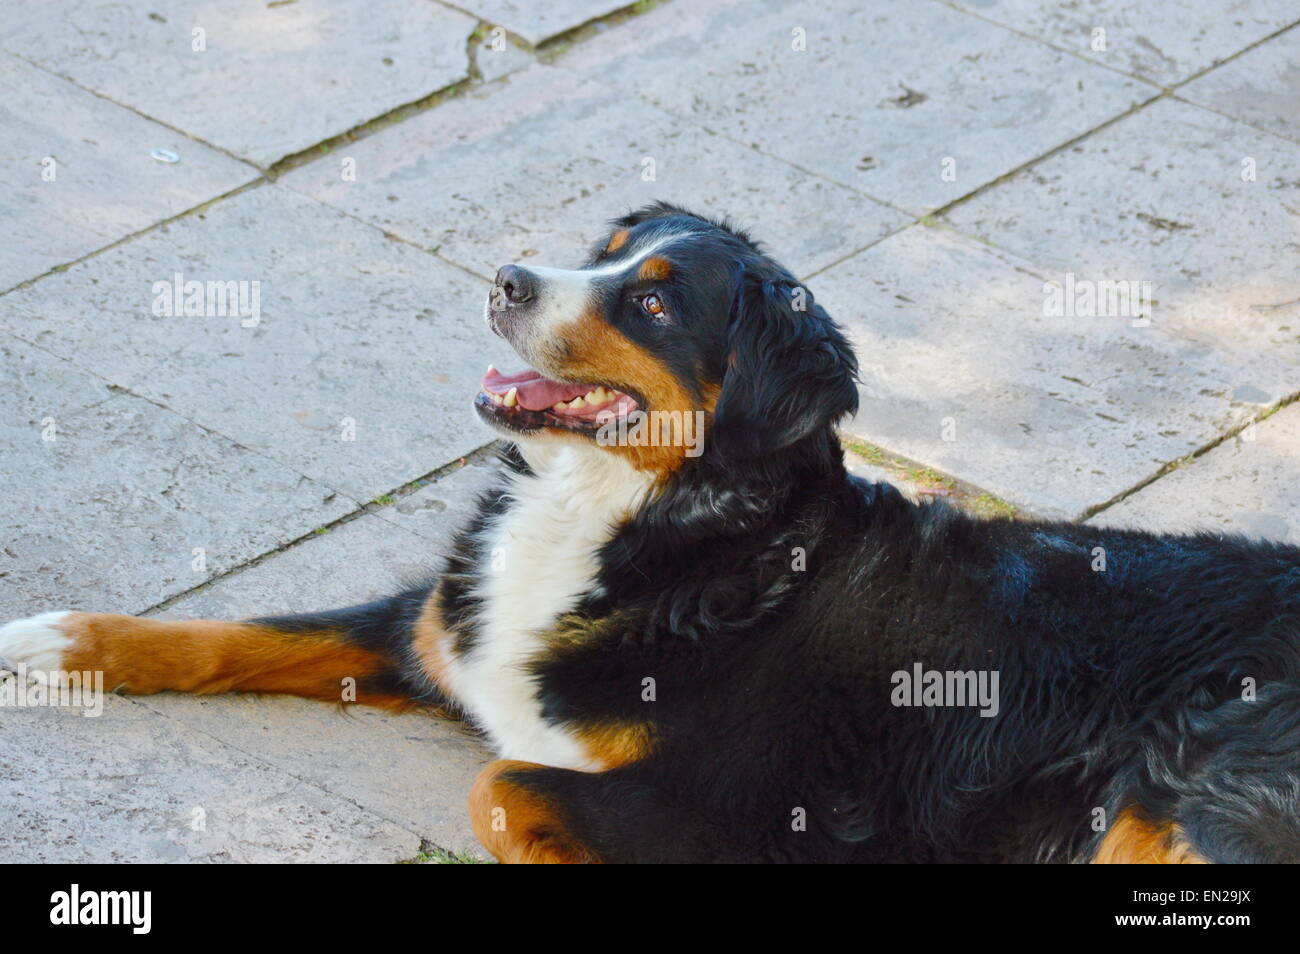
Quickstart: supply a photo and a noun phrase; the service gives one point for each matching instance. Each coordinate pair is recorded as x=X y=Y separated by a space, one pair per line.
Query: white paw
x=36 y=643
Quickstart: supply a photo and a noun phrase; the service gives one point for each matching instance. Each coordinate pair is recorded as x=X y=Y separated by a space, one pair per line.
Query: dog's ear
x=655 y=210
x=789 y=371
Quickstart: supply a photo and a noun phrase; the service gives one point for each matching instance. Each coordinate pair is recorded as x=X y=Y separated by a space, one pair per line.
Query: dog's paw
x=34 y=646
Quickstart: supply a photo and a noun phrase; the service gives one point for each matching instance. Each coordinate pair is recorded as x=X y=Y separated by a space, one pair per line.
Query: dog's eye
x=653 y=306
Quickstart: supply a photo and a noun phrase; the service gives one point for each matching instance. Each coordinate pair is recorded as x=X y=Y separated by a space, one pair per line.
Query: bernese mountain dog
x=691 y=636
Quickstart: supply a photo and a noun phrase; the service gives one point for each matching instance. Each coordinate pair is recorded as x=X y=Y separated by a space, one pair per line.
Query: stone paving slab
x=1159 y=197
x=271 y=80
x=1054 y=415
x=413 y=769
x=107 y=515
x=76 y=175
x=37 y=389
x=133 y=786
x=1260 y=87
x=353 y=327
x=485 y=180
x=1248 y=484
x=881 y=97
x=537 y=22
x=437 y=510
x=1165 y=43
x=496 y=56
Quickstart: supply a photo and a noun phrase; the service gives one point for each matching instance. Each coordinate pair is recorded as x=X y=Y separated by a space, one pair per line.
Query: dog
x=731 y=650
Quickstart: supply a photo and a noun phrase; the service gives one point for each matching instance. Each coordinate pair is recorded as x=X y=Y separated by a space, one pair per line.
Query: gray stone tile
x=1163 y=42
x=413 y=768
x=353 y=326
x=1248 y=484
x=1260 y=87
x=1051 y=414
x=37 y=389
x=535 y=167
x=496 y=56
x=107 y=515
x=272 y=79
x=354 y=562
x=131 y=786
x=437 y=510
x=1159 y=197
x=537 y=22
x=880 y=98
x=104 y=184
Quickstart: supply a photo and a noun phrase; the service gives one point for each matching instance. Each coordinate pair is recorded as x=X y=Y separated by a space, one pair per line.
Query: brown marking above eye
x=653 y=306
x=617 y=241
x=655 y=269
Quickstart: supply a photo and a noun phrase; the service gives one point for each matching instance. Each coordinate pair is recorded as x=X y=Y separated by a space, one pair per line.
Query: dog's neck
x=705 y=504
x=574 y=500
x=582 y=476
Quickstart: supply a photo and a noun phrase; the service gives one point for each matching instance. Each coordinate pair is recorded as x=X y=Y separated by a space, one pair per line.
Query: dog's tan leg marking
x=142 y=656
x=1133 y=840
x=517 y=825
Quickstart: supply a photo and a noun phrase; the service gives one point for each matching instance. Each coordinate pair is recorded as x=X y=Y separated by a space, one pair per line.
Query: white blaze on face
x=562 y=297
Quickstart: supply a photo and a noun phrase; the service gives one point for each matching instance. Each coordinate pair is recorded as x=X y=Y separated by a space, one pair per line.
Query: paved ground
x=927 y=167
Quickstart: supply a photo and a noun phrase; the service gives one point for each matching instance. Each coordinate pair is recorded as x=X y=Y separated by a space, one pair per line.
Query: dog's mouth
x=528 y=401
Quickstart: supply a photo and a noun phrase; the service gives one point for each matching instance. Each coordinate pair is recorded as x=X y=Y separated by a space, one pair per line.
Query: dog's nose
x=518 y=285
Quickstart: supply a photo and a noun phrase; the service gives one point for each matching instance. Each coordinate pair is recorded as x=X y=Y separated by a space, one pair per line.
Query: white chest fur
x=541 y=560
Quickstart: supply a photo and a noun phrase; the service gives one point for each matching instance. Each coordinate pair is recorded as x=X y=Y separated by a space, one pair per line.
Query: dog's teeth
x=577 y=403
x=591 y=397
x=497 y=399
x=491 y=368
x=512 y=397
x=559 y=407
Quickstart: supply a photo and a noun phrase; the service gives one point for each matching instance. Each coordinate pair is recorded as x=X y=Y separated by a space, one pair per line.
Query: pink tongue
x=536 y=393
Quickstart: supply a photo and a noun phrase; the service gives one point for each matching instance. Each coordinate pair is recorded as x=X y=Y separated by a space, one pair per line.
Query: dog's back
x=1147 y=687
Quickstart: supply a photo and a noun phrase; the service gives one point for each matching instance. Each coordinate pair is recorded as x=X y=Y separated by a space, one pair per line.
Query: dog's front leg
x=383 y=653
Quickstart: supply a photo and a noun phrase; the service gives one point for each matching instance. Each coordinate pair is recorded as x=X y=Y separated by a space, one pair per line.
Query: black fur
x=789 y=368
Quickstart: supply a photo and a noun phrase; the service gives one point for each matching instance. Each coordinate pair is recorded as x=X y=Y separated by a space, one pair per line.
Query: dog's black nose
x=517 y=284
